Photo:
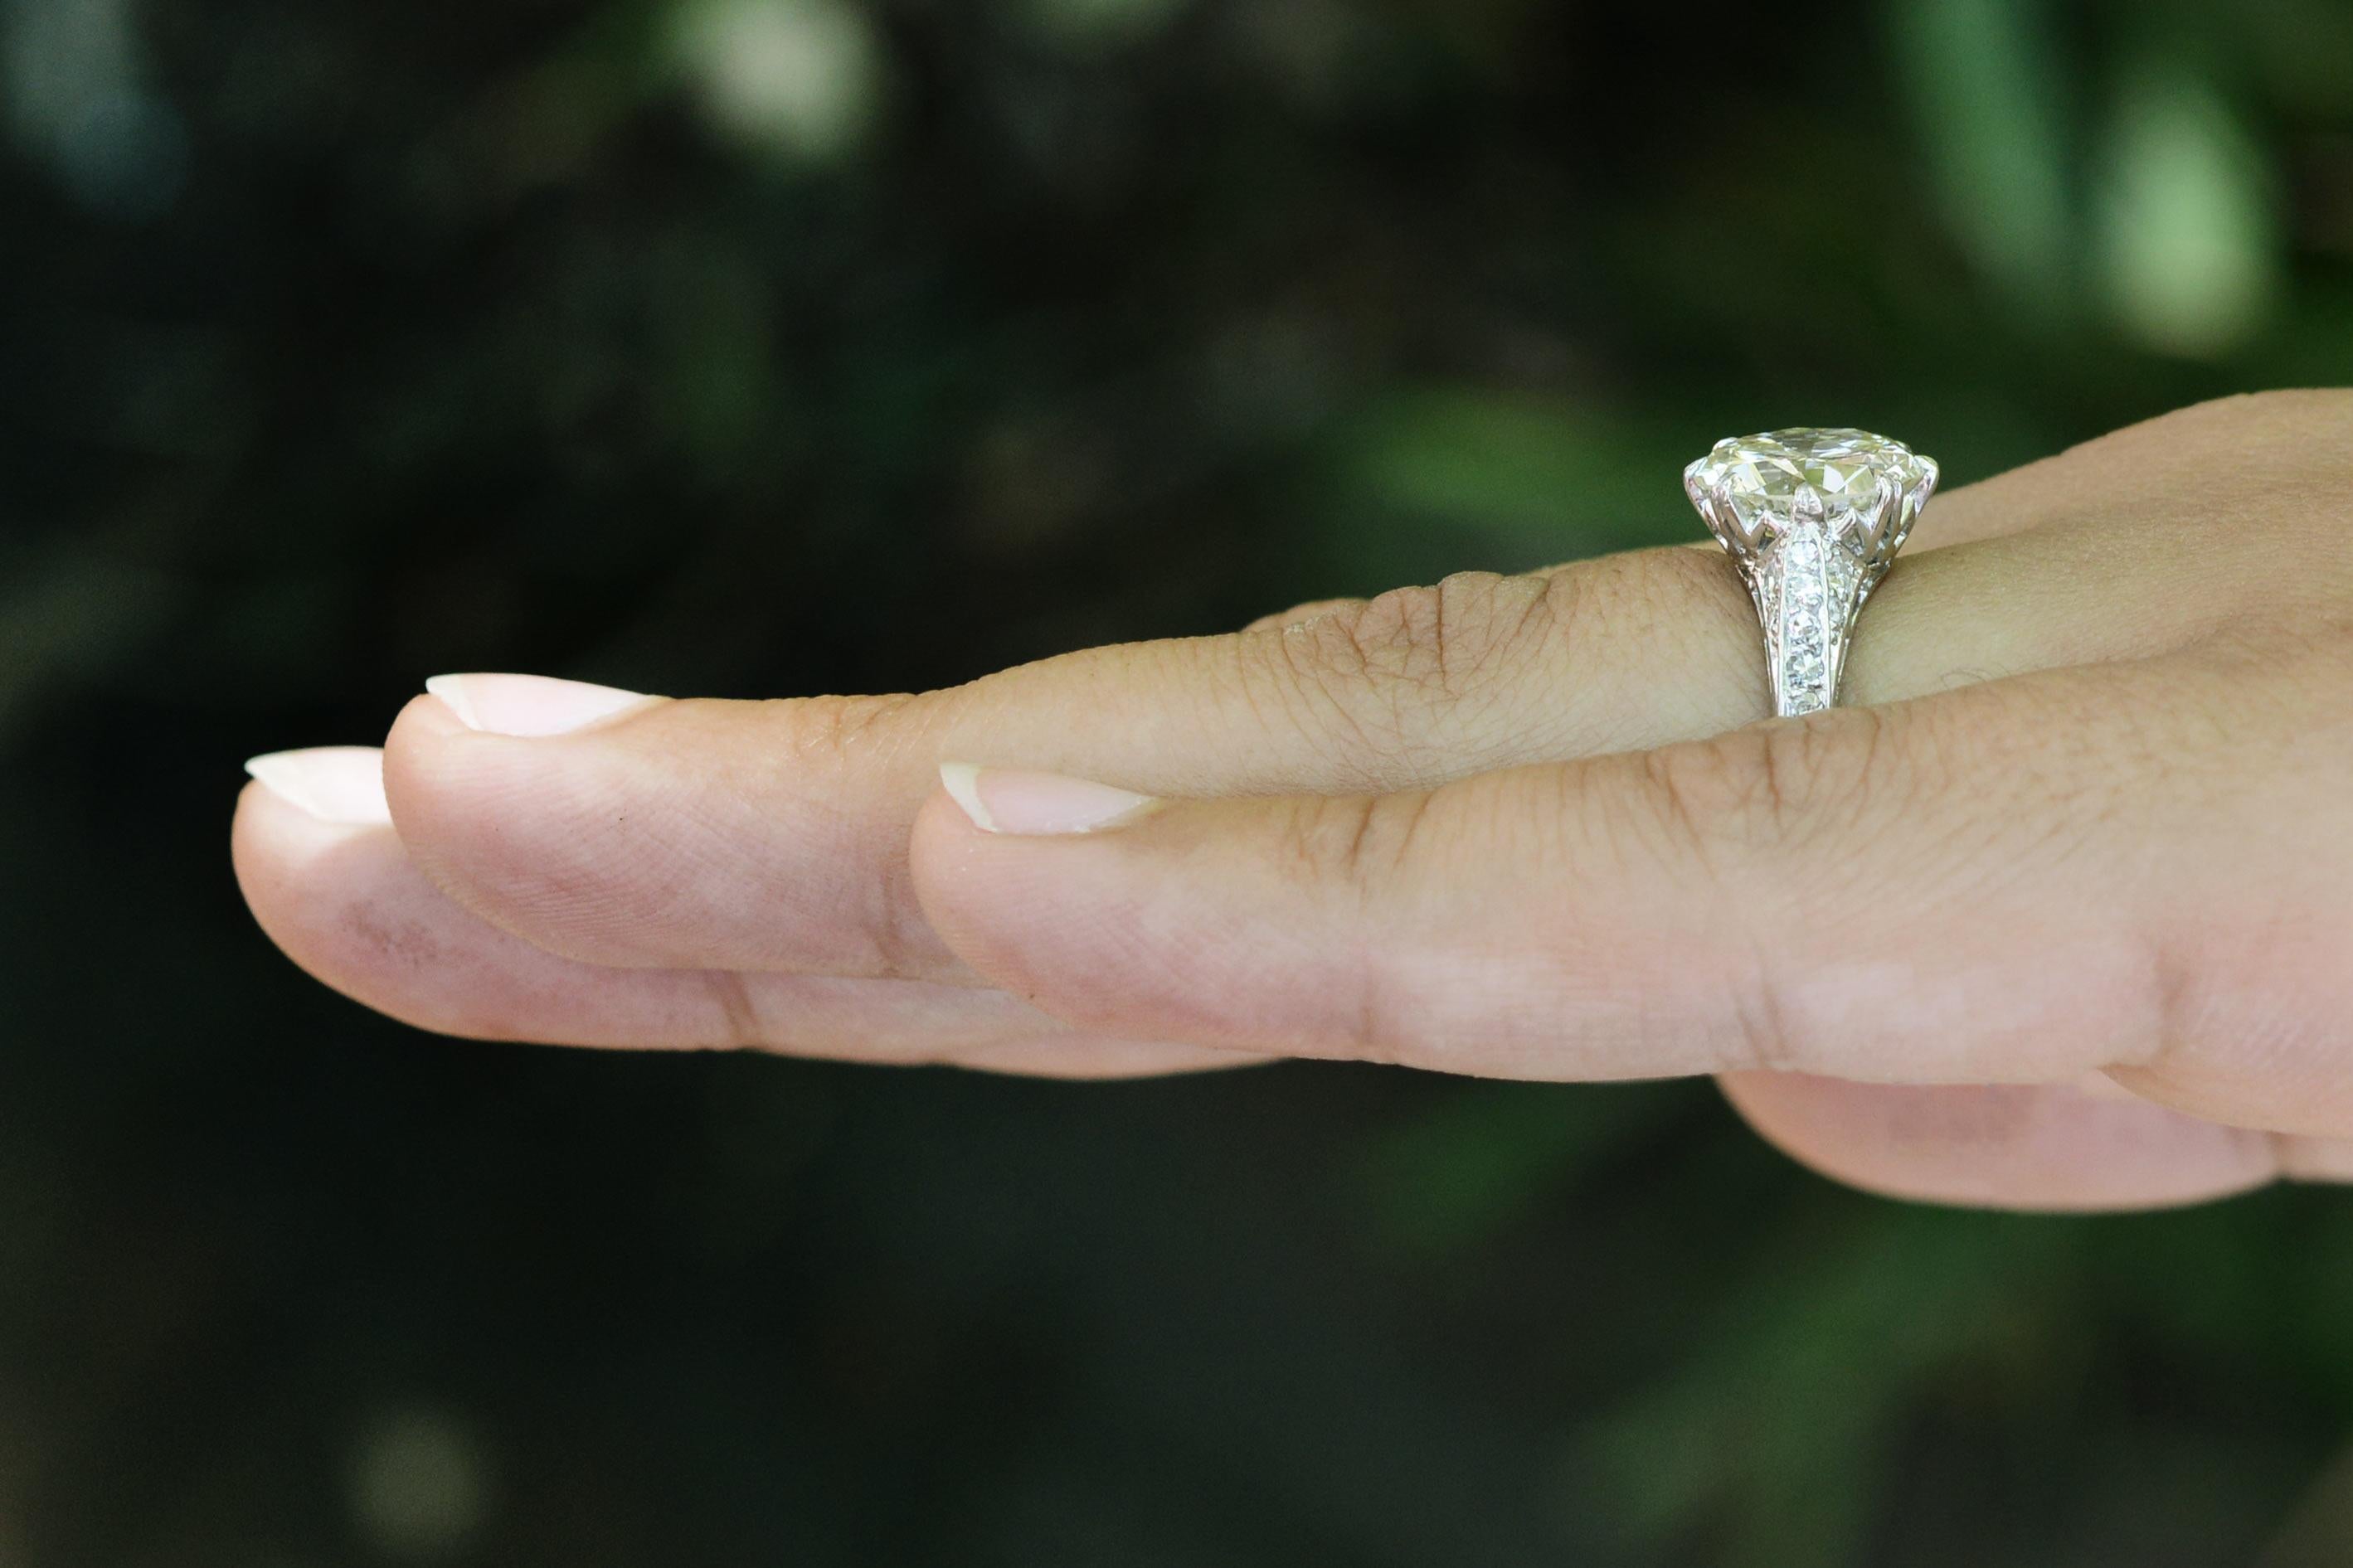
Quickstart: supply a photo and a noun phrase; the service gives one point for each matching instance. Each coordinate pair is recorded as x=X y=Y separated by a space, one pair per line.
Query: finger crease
x=745 y=1031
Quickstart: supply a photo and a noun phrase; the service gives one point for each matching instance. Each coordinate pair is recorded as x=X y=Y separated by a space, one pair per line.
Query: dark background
x=759 y=347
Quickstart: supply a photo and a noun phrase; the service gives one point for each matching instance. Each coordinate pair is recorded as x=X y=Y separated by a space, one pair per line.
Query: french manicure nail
x=1003 y=800
x=335 y=783
x=528 y=705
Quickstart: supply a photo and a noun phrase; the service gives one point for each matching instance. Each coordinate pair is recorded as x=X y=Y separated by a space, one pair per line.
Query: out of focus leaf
x=1463 y=1171
x=1542 y=479
x=2189 y=247
x=1771 y=1436
x=1981 y=81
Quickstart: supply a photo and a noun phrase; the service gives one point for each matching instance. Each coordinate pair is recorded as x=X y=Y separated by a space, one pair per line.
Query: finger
x=771 y=835
x=2019 y=882
x=2159 y=470
x=1299 y=615
x=329 y=882
x=2011 y=1146
x=1987 y=510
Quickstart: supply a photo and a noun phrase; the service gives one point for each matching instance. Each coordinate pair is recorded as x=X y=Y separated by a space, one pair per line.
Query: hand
x=2055 y=913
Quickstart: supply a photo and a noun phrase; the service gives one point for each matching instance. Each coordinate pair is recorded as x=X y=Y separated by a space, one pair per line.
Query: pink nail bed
x=1006 y=800
x=528 y=705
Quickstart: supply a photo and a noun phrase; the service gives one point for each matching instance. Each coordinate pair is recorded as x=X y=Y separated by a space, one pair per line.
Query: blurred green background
x=779 y=346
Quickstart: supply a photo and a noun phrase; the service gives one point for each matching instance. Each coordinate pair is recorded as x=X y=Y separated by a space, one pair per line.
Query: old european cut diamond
x=1813 y=517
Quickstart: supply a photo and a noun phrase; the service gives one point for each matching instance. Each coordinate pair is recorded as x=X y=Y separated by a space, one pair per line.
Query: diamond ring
x=1813 y=519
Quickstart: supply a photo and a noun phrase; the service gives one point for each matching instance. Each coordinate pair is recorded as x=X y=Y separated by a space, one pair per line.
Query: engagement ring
x=1813 y=519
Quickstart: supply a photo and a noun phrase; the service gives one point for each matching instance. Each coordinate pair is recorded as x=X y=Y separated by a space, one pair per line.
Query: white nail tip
x=961 y=779
x=451 y=691
x=530 y=706
x=341 y=785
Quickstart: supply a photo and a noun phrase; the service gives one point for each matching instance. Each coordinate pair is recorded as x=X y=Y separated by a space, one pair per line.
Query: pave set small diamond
x=1813 y=517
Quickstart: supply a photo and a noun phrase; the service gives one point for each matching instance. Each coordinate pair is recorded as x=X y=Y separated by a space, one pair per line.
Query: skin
x=2053 y=913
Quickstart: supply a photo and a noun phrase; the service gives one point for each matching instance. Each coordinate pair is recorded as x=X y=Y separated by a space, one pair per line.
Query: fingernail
x=333 y=783
x=1001 y=800
x=528 y=705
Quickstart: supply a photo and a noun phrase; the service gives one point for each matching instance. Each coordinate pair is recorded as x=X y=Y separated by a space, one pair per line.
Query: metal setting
x=1813 y=519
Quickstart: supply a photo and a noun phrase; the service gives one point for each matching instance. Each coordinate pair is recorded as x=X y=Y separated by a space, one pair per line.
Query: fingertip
x=300 y=872
x=423 y=763
x=493 y=820
x=962 y=782
x=2035 y=1147
x=531 y=706
x=1106 y=932
x=437 y=711
x=684 y=835
x=980 y=892
x=450 y=691
x=415 y=747
x=942 y=843
x=343 y=903
x=339 y=784
x=2325 y=1162
x=1040 y=805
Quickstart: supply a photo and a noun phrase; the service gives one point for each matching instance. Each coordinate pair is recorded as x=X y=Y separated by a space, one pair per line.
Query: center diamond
x=1752 y=489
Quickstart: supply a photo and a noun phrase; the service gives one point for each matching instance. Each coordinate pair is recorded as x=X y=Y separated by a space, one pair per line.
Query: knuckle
x=830 y=728
x=1732 y=788
x=1685 y=609
x=1355 y=841
x=1302 y=613
x=1771 y=785
x=1314 y=831
x=737 y=1022
x=1351 y=851
x=1434 y=676
x=1441 y=638
x=1383 y=672
x=1768 y=821
x=1670 y=585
